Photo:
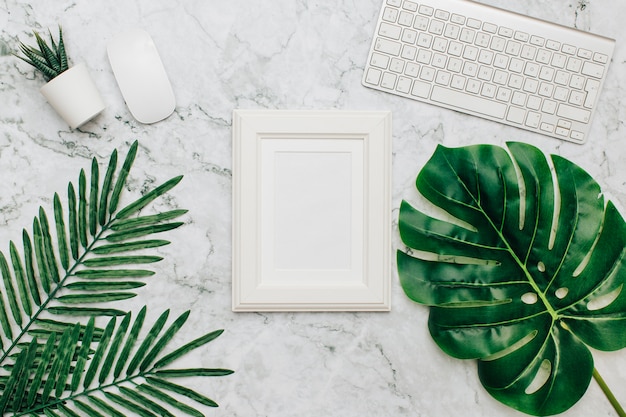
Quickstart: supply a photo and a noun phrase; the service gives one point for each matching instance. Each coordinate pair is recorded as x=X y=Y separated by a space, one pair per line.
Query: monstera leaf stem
x=608 y=393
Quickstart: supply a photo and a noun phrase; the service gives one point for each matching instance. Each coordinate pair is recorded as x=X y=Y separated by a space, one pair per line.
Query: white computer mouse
x=141 y=76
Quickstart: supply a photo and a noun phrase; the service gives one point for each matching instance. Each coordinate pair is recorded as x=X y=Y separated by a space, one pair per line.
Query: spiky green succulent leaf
x=51 y=60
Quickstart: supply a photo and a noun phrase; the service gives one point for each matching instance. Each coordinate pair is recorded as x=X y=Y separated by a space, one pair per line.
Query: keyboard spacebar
x=468 y=102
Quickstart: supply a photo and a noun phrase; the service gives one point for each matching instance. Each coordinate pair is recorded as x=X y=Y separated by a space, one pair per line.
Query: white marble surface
x=282 y=54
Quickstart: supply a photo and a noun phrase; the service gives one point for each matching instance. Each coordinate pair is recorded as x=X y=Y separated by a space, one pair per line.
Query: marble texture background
x=279 y=54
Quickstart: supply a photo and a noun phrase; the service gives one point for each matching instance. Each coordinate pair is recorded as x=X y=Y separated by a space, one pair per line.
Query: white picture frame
x=311 y=210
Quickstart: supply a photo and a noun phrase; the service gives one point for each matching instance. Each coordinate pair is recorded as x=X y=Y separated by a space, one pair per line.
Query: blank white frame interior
x=311 y=210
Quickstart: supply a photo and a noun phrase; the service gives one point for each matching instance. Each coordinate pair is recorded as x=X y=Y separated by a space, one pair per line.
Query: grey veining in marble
x=279 y=54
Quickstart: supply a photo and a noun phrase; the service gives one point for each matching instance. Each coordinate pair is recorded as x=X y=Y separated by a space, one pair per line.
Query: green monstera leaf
x=524 y=272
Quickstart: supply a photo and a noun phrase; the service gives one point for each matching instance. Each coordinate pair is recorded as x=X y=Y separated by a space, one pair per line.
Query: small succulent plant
x=50 y=60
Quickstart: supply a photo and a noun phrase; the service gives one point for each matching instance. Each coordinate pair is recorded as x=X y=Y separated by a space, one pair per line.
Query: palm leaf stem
x=51 y=296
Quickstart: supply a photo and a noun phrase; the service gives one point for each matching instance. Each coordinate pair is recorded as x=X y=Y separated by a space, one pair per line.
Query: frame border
x=249 y=129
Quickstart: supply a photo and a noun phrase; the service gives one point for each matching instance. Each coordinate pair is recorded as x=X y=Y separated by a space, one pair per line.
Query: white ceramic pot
x=74 y=96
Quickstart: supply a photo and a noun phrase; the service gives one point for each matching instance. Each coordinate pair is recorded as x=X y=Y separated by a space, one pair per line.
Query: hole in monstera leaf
x=561 y=293
x=605 y=300
x=529 y=298
x=540 y=379
x=541 y=266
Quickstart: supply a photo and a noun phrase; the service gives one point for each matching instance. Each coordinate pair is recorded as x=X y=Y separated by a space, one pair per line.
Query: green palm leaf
x=55 y=379
x=75 y=268
x=525 y=274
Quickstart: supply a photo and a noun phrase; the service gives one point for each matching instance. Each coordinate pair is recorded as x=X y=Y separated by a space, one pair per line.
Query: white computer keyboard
x=491 y=63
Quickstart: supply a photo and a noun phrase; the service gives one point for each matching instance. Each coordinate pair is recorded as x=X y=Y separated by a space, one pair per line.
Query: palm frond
x=74 y=265
x=70 y=374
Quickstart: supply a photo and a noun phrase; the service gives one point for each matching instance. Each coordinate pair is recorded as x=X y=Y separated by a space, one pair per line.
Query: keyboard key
x=426 y=10
x=482 y=40
x=473 y=86
x=388 y=80
x=546 y=89
x=561 y=78
x=425 y=40
x=533 y=119
x=420 y=89
x=467 y=35
x=554 y=45
x=516 y=115
x=533 y=103
x=585 y=53
x=577 y=82
x=436 y=27
x=442 y=14
x=395 y=3
x=443 y=78
x=404 y=85
x=488 y=90
x=573 y=113
x=513 y=48
x=397 y=65
x=519 y=98
x=576 y=135
x=409 y=5
x=424 y=56
x=577 y=98
x=504 y=94
x=543 y=56
x=568 y=49
x=559 y=60
x=528 y=52
x=412 y=69
x=387 y=46
x=409 y=52
x=427 y=73
x=405 y=19
x=490 y=27
x=593 y=70
x=592 y=87
x=409 y=36
x=379 y=60
x=452 y=31
x=373 y=76
x=458 y=82
x=420 y=23
x=466 y=101
x=521 y=36
x=498 y=44
x=531 y=69
x=547 y=127
x=390 y=14
x=440 y=44
x=560 y=94
x=537 y=40
x=455 y=48
x=458 y=19
x=601 y=58
x=473 y=23
x=389 y=31
x=470 y=53
x=549 y=107
x=574 y=64
x=506 y=32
